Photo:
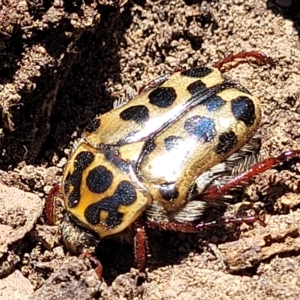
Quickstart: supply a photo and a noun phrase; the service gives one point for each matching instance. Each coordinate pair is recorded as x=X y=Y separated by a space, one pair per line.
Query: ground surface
x=62 y=64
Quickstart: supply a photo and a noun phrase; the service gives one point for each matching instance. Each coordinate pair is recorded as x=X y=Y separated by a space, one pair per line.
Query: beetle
x=159 y=160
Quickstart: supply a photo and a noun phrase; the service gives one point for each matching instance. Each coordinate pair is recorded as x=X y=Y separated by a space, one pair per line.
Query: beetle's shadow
x=69 y=91
x=291 y=12
x=171 y=248
x=165 y=248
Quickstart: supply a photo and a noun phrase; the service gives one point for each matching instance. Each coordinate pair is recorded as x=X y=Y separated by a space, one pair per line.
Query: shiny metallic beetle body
x=158 y=160
x=153 y=148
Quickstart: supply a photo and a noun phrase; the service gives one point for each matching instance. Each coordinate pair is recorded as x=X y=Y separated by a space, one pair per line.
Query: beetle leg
x=242 y=57
x=187 y=227
x=98 y=269
x=190 y=227
x=50 y=204
x=213 y=193
x=140 y=246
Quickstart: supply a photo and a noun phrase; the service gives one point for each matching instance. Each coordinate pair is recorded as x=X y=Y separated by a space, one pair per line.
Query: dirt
x=63 y=63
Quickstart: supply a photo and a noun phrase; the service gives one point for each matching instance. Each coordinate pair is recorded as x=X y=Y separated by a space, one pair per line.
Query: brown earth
x=64 y=62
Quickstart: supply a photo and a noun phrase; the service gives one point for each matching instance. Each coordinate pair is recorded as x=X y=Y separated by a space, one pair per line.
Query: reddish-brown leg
x=216 y=191
x=252 y=56
x=140 y=247
x=189 y=227
x=241 y=57
x=98 y=266
x=50 y=205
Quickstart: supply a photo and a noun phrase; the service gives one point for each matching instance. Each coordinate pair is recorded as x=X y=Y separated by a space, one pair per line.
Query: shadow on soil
x=65 y=96
x=288 y=9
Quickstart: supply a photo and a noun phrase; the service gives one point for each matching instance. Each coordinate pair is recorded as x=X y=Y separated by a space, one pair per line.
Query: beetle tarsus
x=245 y=57
x=98 y=266
x=50 y=204
x=190 y=227
x=140 y=246
x=216 y=191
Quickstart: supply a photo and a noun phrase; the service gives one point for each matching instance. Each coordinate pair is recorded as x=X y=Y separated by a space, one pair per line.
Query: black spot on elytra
x=81 y=162
x=197 y=72
x=172 y=142
x=202 y=128
x=169 y=191
x=227 y=141
x=214 y=103
x=243 y=109
x=124 y=195
x=93 y=125
x=99 y=179
x=149 y=146
x=162 y=97
x=196 y=88
x=138 y=114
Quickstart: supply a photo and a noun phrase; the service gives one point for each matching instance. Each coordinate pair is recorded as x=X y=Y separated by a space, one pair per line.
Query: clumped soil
x=62 y=63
